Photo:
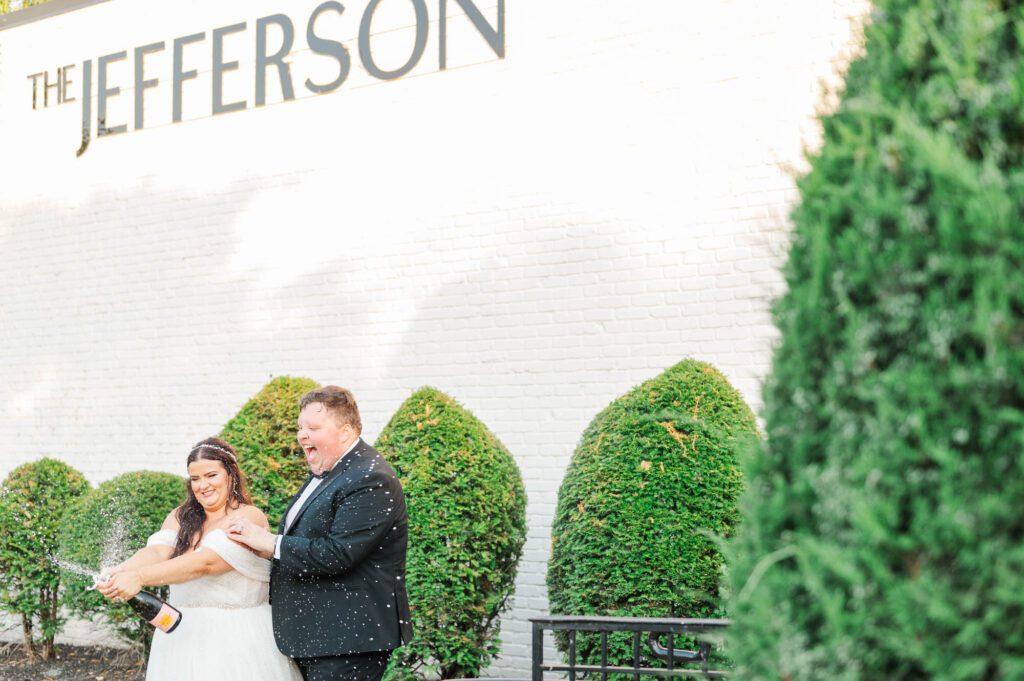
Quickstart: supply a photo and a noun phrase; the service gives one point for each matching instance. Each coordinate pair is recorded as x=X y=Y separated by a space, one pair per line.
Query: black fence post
x=538 y=651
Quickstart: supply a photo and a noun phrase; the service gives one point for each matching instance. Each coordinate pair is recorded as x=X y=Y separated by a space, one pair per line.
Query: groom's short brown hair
x=339 y=401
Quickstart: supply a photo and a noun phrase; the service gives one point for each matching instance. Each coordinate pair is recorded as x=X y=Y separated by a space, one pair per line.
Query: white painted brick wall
x=533 y=235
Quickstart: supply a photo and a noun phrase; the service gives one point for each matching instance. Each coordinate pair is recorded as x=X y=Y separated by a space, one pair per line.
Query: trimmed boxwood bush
x=263 y=434
x=105 y=527
x=883 y=536
x=652 y=484
x=467 y=525
x=33 y=499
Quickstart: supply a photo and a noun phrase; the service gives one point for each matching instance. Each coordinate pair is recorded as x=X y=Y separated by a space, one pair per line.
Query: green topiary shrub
x=653 y=482
x=33 y=499
x=467 y=525
x=882 y=535
x=105 y=527
x=263 y=434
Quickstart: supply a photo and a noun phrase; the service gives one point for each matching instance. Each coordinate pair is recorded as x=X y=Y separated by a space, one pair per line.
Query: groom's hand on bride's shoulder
x=252 y=536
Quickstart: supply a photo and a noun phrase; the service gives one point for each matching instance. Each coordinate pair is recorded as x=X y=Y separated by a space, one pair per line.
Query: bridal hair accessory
x=203 y=445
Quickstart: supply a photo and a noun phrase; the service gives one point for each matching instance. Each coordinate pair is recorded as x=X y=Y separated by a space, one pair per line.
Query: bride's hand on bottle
x=106 y=573
x=121 y=585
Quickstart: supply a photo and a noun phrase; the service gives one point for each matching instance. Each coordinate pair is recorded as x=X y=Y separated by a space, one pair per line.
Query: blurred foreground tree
x=881 y=535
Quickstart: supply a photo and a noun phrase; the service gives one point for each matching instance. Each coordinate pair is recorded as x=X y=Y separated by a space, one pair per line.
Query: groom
x=337 y=581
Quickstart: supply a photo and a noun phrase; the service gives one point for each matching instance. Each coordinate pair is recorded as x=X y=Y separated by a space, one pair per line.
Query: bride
x=220 y=587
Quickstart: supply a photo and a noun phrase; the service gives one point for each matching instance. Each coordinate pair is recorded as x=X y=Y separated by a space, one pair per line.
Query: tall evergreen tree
x=882 y=536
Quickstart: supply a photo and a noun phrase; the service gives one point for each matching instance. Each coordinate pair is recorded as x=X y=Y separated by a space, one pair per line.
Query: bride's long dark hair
x=191 y=514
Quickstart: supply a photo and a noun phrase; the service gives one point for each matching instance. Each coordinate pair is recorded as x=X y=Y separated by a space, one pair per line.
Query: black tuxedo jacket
x=338 y=587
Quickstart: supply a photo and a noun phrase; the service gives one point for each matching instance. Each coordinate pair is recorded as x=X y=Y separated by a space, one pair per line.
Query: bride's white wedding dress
x=225 y=631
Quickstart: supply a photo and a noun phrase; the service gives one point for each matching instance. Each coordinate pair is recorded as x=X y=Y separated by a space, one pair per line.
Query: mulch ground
x=73 y=663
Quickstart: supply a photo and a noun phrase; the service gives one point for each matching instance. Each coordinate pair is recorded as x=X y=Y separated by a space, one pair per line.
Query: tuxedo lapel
x=336 y=473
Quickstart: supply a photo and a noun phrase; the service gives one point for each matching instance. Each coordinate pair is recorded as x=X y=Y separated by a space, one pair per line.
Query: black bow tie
x=320 y=476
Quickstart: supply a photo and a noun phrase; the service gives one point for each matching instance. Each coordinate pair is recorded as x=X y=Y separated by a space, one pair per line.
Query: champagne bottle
x=160 y=614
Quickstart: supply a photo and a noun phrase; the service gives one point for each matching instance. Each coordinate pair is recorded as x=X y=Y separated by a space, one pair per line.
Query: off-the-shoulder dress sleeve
x=162 y=538
x=242 y=559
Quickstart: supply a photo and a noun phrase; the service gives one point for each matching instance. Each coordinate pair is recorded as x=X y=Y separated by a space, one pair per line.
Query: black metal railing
x=677 y=662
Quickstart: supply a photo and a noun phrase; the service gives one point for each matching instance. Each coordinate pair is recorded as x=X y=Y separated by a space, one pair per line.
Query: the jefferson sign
x=268 y=65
